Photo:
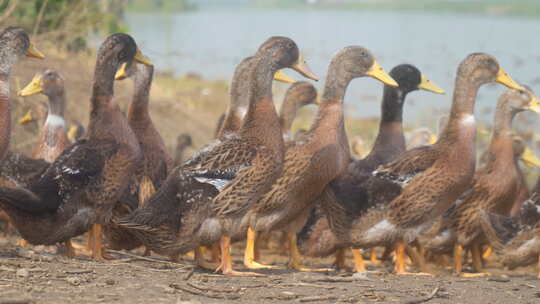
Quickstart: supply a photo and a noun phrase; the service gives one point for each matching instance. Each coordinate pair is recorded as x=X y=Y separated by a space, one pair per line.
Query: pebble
x=23 y=273
x=73 y=281
x=110 y=282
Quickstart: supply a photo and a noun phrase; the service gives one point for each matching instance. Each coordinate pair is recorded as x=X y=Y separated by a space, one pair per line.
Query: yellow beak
x=529 y=158
x=534 y=105
x=432 y=139
x=280 y=76
x=34 y=52
x=26 y=118
x=121 y=73
x=377 y=72
x=139 y=57
x=301 y=67
x=504 y=78
x=72 y=133
x=483 y=131
x=34 y=87
x=428 y=85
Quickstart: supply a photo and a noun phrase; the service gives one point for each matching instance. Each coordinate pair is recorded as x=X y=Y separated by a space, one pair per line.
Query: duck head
x=482 y=68
x=48 y=82
x=14 y=43
x=409 y=79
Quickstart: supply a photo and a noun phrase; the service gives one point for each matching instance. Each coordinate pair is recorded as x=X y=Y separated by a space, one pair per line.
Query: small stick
x=203 y=294
x=138 y=257
x=330 y=280
x=308 y=285
x=424 y=299
x=317 y=298
x=81 y=271
x=201 y=288
x=189 y=274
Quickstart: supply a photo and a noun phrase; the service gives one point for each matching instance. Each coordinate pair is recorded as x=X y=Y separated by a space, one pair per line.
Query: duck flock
x=118 y=183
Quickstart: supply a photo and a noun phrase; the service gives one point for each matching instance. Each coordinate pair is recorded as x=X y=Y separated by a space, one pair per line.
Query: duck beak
x=301 y=67
x=428 y=85
x=34 y=87
x=280 y=76
x=529 y=158
x=483 y=131
x=72 y=133
x=377 y=72
x=139 y=57
x=504 y=78
x=432 y=139
x=26 y=118
x=121 y=73
x=534 y=105
x=34 y=52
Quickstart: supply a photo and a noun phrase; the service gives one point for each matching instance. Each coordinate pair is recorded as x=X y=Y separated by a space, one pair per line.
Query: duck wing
x=410 y=163
x=20 y=170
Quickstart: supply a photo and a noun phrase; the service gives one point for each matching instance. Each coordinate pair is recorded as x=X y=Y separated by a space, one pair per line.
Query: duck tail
x=499 y=229
x=24 y=200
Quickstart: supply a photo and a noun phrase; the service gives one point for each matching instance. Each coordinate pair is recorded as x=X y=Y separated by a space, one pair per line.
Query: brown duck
x=516 y=239
x=431 y=177
x=316 y=238
x=205 y=200
x=495 y=186
x=314 y=160
x=52 y=139
x=81 y=187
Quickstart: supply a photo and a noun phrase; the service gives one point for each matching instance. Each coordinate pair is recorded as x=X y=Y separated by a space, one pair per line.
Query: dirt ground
x=39 y=275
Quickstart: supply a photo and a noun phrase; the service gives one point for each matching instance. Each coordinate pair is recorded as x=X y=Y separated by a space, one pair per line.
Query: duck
x=204 y=200
x=530 y=160
x=430 y=178
x=53 y=138
x=14 y=43
x=460 y=225
x=78 y=191
x=440 y=239
x=298 y=95
x=516 y=239
x=312 y=161
x=183 y=141
x=350 y=187
x=156 y=162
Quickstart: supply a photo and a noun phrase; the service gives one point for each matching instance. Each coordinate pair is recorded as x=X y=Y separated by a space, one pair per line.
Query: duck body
x=206 y=198
x=356 y=189
x=81 y=187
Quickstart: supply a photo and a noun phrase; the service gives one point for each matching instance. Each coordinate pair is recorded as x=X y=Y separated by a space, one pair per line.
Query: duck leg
x=201 y=261
x=251 y=250
x=401 y=260
x=295 y=258
x=22 y=243
x=458 y=256
x=373 y=256
x=477 y=262
x=226 y=261
x=417 y=259
x=97 y=245
x=340 y=259
x=359 y=265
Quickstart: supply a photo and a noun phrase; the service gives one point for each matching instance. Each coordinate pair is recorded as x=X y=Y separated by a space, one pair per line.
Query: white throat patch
x=55 y=121
x=468 y=119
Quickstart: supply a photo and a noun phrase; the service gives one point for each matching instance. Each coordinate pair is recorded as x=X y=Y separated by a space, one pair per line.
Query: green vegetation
x=66 y=22
x=160 y=5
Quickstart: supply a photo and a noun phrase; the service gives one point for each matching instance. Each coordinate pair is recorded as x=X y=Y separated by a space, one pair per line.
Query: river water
x=212 y=41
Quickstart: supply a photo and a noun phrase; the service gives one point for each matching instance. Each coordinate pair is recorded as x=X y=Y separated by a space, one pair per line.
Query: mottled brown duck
x=205 y=199
x=81 y=187
x=431 y=177
x=52 y=139
x=494 y=188
x=312 y=161
x=516 y=239
x=156 y=162
x=350 y=188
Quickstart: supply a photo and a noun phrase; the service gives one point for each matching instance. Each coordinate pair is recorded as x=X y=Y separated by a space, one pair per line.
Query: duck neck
x=502 y=152
x=142 y=81
x=390 y=140
x=261 y=120
x=287 y=113
x=461 y=124
x=502 y=140
x=239 y=98
x=103 y=83
x=330 y=114
x=5 y=107
x=56 y=107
